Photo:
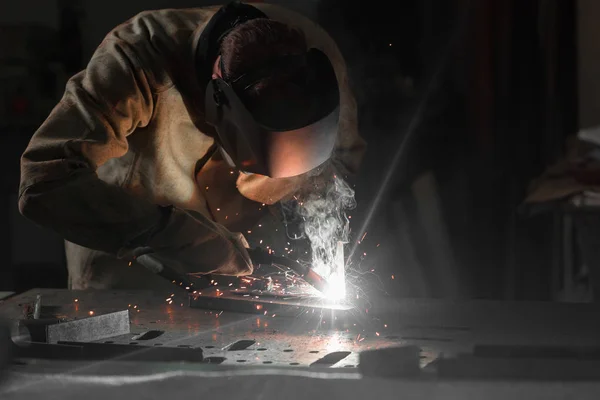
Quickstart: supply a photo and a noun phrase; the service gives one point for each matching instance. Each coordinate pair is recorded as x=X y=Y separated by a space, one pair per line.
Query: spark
x=135 y=306
x=273 y=316
x=91 y=313
x=218 y=209
x=129 y=264
x=377 y=333
x=260 y=241
x=363 y=237
x=207 y=188
x=385 y=325
x=231 y=284
x=76 y=300
x=393 y=277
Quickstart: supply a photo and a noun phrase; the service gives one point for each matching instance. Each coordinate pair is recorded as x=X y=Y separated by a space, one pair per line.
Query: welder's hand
x=190 y=243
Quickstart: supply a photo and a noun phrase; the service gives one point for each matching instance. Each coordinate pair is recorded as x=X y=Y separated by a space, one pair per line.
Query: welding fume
x=185 y=128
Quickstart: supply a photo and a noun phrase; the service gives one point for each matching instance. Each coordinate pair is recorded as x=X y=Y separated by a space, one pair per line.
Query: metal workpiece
x=265 y=303
x=86 y=351
x=226 y=338
x=90 y=328
x=455 y=338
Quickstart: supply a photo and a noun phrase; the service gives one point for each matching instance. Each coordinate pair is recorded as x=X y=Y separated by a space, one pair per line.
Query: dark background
x=489 y=90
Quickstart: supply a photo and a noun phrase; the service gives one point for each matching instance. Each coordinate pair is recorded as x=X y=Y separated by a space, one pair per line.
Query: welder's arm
x=60 y=188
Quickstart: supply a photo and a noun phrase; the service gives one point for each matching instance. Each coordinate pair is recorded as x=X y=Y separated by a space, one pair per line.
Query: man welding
x=177 y=112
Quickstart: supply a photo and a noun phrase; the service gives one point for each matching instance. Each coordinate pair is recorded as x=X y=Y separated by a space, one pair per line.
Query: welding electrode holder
x=143 y=256
x=260 y=256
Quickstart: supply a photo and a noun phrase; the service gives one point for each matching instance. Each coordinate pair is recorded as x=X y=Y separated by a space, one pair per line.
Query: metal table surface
x=279 y=344
x=437 y=326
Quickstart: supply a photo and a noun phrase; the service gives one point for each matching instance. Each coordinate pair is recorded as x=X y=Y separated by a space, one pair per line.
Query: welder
x=177 y=111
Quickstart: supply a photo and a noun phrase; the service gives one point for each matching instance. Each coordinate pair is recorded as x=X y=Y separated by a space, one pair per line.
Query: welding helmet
x=284 y=132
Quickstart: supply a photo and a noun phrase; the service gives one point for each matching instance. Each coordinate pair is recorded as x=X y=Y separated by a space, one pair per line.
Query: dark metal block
x=391 y=362
x=104 y=351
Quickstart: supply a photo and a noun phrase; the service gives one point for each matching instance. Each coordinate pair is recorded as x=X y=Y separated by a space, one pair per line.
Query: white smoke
x=325 y=223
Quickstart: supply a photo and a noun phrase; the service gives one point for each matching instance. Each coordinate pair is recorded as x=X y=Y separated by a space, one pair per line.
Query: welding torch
x=258 y=256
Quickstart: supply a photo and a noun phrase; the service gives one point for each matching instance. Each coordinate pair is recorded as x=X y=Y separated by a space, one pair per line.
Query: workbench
x=311 y=354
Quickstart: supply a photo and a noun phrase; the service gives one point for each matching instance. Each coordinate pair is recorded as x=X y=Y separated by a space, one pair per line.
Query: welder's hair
x=256 y=42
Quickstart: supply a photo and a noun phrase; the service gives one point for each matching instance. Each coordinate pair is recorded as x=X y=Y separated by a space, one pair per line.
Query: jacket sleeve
x=59 y=186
